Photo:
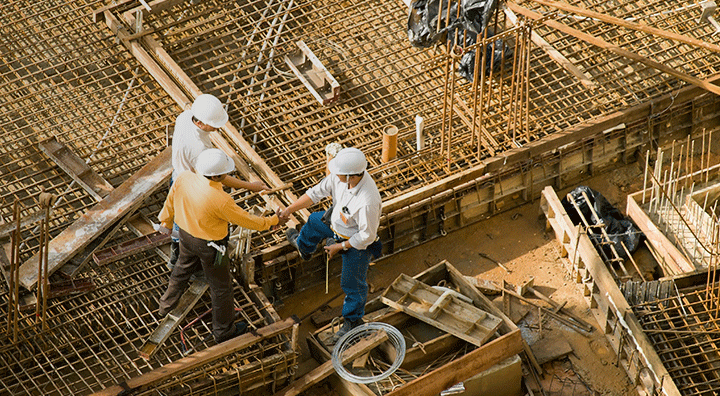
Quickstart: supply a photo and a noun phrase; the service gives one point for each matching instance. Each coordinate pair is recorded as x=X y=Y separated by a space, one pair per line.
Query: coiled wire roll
x=354 y=336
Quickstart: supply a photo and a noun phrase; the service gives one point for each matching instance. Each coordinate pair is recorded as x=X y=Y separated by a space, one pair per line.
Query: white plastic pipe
x=419 y=137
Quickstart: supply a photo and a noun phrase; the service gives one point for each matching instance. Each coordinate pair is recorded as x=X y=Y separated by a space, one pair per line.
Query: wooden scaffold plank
x=173 y=318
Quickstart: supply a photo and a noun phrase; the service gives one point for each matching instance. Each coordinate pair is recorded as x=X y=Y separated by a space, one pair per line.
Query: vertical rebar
x=46 y=281
x=647 y=159
x=16 y=254
x=41 y=257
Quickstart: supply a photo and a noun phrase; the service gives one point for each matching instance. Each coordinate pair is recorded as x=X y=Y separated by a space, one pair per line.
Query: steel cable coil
x=354 y=336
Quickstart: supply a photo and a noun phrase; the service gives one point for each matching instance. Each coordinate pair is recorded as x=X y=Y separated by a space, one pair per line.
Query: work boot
x=292 y=235
x=344 y=329
x=240 y=328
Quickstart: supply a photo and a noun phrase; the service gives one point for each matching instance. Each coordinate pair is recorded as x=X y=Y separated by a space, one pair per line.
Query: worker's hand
x=333 y=249
x=283 y=216
x=282 y=219
x=161 y=229
x=257 y=186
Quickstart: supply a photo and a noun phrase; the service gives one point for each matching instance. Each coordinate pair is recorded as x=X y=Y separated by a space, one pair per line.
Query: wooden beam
x=100 y=217
x=463 y=368
x=197 y=359
x=598 y=42
x=630 y=25
x=554 y=54
x=670 y=253
x=326 y=369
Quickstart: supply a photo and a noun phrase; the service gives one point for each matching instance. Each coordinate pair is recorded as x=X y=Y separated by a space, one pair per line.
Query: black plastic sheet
x=496 y=53
x=424 y=29
x=618 y=227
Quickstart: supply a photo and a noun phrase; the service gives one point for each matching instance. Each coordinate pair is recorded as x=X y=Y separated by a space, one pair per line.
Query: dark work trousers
x=194 y=252
x=353 y=279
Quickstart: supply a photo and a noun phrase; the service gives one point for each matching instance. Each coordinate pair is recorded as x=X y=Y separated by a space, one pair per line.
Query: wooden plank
x=672 y=255
x=598 y=42
x=127 y=248
x=100 y=217
x=76 y=168
x=451 y=314
x=475 y=362
x=7 y=228
x=326 y=369
x=197 y=359
x=554 y=54
x=630 y=25
x=173 y=318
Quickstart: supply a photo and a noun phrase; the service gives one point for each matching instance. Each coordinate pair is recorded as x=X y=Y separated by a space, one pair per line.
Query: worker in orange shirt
x=202 y=210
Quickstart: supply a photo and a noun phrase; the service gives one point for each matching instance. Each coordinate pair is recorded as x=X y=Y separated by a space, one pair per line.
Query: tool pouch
x=221 y=259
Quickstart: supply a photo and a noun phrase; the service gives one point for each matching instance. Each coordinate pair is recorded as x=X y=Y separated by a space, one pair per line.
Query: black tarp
x=618 y=227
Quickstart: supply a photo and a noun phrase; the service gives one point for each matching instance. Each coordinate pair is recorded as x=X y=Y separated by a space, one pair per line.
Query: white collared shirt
x=356 y=214
x=187 y=143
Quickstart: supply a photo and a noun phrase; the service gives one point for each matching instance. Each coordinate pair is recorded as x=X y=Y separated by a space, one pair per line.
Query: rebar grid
x=62 y=75
x=93 y=338
x=675 y=196
x=236 y=53
x=686 y=336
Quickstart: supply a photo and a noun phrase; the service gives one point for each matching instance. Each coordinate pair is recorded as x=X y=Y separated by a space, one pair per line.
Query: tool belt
x=222 y=256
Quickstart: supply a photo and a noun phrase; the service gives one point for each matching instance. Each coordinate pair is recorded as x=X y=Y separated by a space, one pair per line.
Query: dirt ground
x=517 y=239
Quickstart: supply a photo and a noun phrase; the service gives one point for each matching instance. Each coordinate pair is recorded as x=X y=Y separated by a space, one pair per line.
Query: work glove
x=161 y=229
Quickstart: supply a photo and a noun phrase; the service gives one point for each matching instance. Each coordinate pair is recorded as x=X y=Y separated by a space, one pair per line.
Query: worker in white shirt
x=350 y=226
x=192 y=136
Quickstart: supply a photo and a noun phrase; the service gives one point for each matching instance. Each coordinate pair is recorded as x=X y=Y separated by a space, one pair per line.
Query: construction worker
x=192 y=136
x=202 y=210
x=350 y=227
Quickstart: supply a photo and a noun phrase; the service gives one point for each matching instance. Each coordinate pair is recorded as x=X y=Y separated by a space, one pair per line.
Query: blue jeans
x=353 y=279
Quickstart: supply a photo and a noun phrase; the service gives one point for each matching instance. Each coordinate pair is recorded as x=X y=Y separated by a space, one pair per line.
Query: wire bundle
x=354 y=336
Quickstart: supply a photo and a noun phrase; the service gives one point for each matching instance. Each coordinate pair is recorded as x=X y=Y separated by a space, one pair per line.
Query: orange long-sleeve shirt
x=201 y=207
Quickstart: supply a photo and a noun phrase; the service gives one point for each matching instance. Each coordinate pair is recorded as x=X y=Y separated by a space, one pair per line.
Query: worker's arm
x=301 y=203
x=234 y=182
x=237 y=215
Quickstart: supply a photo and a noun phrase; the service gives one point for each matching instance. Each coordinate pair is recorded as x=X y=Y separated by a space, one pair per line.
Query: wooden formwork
x=621 y=326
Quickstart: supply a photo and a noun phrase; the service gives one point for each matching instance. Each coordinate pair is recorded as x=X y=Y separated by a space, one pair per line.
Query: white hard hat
x=348 y=161
x=214 y=162
x=209 y=110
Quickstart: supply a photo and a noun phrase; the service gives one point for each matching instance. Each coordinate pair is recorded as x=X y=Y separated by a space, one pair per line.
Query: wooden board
x=100 y=217
x=672 y=256
x=127 y=248
x=172 y=319
x=552 y=346
x=76 y=167
x=477 y=361
x=441 y=309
